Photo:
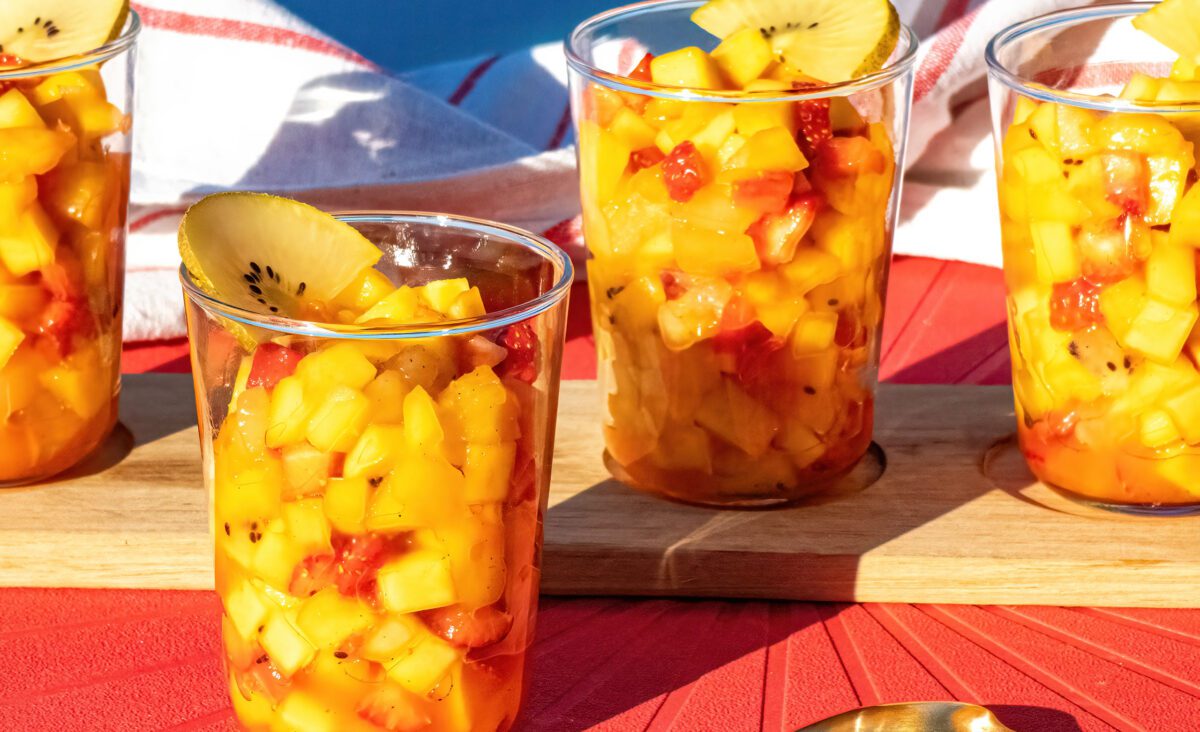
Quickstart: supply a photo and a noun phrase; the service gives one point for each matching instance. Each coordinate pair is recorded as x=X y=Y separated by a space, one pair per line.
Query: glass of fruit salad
x=738 y=170
x=377 y=397
x=66 y=93
x=1097 y=115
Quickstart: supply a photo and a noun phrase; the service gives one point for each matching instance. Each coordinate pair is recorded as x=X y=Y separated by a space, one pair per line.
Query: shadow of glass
x=1023 y=718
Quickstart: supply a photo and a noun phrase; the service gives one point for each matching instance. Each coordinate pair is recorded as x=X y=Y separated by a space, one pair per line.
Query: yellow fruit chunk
x=1145 y=324
x=338 y=422
x=285 y=645
x=328 y=618
x=1171 y=271
x=422 y=667
x=487 y=471
x=16 y=111
x=632 y=129
x=377 y=450
x=754 y=117
x=1184 y=409
x=15 y=198
x=603 y=158
x=739 y=419
x=803 y=445
x=1173 y=24
x=1141 y=87
x=245 y=607
x=18 y=375
x=306 y=468
x=10 y=339
x=1055 y=252
x=306 y=526
x=419 y=580
x=400 y=307
x=771 y=149
x=302 y=712
x=811 y=268
x=275 y=558
x=26 y=151
x=366 y=290
x=287 y=419
x=707 y=125
x=422 y=431
x=65 y=84
x=1184 y=69
x=683 y=447
x=467 y=305
x=30 y=242
x=386 y=394
x=81 y=192
x=1168 y=175
x=708 y=252
x=1185 y=220
x=391 y=635
x=338 y=365
x=688 y=67
x=743 y=56
x=345 y=504
x=477 y=408
x=421 y=492
x=814 y=333
x=475 y=547
x=441 y=294
x=81 y=382
x=1149 y=134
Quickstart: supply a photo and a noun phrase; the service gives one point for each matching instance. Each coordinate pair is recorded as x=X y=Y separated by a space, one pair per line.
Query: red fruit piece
x=752 y=346
x=647 y=157
x=313 y=574
x=272 y=363
x=63 y=279
x=358 y=560
x=262 y=678
x=738 y=314
x=60 y=321
x=684 y=172
x=393 y=709
x=8 y=60
x=641 y=72
x=768 y=193
x=812 y=125
x=522 y=345
x=1106 y=255
x=776 y=236
x=479 y=351
x=1075 y=305
x=672 y=287
x=469 y=628
x=1127 y=181
x=846 y=156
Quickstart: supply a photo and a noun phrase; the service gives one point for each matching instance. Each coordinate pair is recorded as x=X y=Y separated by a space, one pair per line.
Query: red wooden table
x=118 y=660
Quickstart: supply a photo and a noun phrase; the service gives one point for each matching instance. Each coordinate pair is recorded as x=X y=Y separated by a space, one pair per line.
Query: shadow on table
x=1023 y=718
x=980 y=359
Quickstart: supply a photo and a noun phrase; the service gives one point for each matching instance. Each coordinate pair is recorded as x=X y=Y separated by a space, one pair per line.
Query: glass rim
x=115 y=47
x=1061 y=18
x=462 y=326
x=891 y=71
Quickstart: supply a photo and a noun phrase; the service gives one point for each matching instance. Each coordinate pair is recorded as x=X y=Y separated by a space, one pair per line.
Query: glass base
x=1129 y=509
x=856 y=477
x=107 y=450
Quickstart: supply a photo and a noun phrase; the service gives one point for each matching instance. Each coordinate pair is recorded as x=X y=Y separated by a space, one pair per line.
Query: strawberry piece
x=272 y=363
x=521 y=361
x=812 y=125
x=647 y=157
x=358 y=560
x=684 y=172
x=313 y=574
x=802 y=184
x=846 y=156
x=768 y=193
x=641 y=72
x=469 y=628
x=1075 y=305
x=776 y=236
x=479 y=351
x=672 y=286
x=1127 y=181
x=262 y=678
x=393 y=709
x=8 y=61
x=752 y=346
x=60 y=321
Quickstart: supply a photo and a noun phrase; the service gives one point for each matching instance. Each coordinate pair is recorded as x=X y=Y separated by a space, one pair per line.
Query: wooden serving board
x=954 y=518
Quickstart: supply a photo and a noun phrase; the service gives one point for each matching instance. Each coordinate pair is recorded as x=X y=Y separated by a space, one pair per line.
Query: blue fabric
x=402 y=35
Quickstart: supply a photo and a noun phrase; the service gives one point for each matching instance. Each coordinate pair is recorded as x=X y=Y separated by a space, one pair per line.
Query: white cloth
x=247 y=96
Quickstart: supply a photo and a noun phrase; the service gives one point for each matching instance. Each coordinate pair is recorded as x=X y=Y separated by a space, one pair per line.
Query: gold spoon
x=913 y=717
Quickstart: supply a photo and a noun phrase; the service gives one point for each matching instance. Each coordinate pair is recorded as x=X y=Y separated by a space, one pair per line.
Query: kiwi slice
x=37 y=31
x=271 y=255
x=830 y=40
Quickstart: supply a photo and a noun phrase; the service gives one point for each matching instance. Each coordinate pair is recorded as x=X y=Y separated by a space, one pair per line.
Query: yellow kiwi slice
x=271 y=255
x=830 y=40
x=1175 y=24
x=36 y=31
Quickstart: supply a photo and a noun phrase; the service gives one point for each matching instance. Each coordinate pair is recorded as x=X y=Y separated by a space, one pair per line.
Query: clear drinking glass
x=378 y=513
x=64 y=192
x=1099 y=257
x=738 y=351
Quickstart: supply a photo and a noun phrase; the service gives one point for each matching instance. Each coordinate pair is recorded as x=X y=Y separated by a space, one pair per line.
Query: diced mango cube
x=378 y=448
x=1184 y=409
x=1171 y=271
x=688 y=67
x=275 y=559
x=286 y=646
x=419 y=580
x=345 y=503
x=739 y=419
x=289 y=412
x=1055 y=252
x=339 y=420
x=306 y=468
x=422 y=429
x=328 y=618
x=26 y=151
x=391 y=635
x=487 y=471
x=306 y=525
x=422 y=491
x=743 y=56
x=467 y=305
x=245 y=607
x=771 y=149
x=440 y=294
x=632 y=129
x=341 y=364
x=708 y=252
x=16 y=111
x=367 y=289
x=300 y=711
x=10 y=339
x=603 y=158
x=29 y=244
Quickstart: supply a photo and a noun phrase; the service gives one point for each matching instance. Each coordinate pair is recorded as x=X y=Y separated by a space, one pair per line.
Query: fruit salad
x=739 y=250
x=64 y=189
x=1101 y=225
x=377 y=502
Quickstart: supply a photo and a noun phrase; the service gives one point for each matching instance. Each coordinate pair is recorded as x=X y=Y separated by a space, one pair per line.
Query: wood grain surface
x=954 y=518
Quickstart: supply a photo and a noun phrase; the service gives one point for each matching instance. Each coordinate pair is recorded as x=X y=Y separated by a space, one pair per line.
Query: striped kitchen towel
x=241 y=94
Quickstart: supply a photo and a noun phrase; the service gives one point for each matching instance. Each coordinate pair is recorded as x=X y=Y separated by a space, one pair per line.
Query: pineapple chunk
x=632 y=129
x=688 y=67
x=1055 y=252
x=743 y=56
x=603 y=159
x=1159 y=330
x=419 y=580
x=475 y=547
x=739 y=419
x=275 y=558
x=29 y=245
x=290 y=650
x=288 y=416
x=422 y=430
x=392 y=635
x=467 y=305
x=370 y=287
x=1171 y=271
x=345 y=504
x=300 y=711
x=801 y=442
x=441 y=294
x=386 y=394
x=421 y=492
x=341 y=364
x=683 y=447
x=811 y=268
x=814 y=333
x=1141 y=87
x=773 y=148
x=328 y=618
x=377 y=450
x=81 y=382
x=1173 y=24
x=753 y=117
x=306 y=468
x=306 y=526
x=1184 y=409
x=421 y=668
x=26 y=151
x=245 y=607
x=397 y=308
x=708 y=252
